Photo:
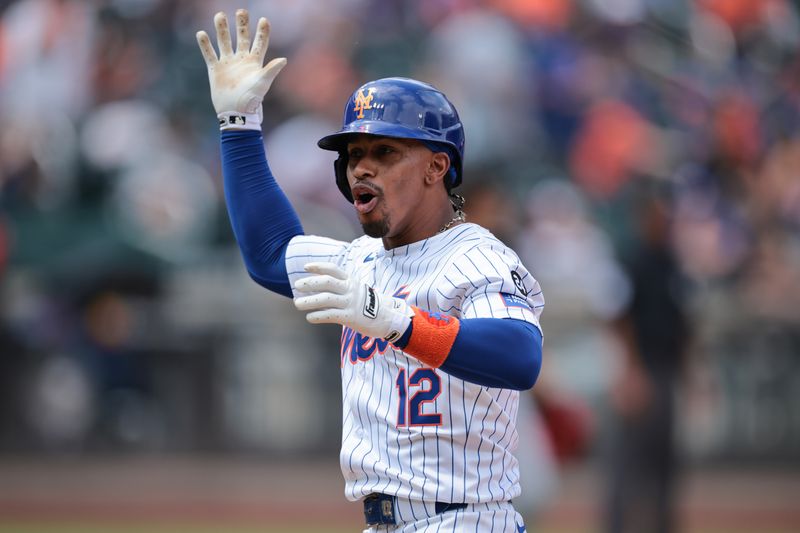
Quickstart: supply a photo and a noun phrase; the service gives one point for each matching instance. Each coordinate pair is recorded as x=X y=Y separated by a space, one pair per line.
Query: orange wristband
x=432 y=336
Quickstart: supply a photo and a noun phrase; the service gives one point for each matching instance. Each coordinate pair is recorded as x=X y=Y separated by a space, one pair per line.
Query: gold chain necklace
x=458 y=206
x=460 y=217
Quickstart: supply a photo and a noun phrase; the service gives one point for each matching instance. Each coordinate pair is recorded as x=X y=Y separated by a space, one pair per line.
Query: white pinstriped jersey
x=410 y=430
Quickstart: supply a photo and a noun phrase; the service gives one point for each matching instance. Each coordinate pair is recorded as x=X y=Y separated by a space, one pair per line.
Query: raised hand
x=239 y=80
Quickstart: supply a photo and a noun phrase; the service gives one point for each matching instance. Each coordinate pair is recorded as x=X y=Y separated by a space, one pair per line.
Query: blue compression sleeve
x=261 y=216
x=496 y=353
x=492 y=352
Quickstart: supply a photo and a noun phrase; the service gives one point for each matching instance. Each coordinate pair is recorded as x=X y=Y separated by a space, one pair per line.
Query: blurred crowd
x=642 y=156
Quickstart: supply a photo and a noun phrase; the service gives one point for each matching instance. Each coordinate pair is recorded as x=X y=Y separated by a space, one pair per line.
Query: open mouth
x=364 y=199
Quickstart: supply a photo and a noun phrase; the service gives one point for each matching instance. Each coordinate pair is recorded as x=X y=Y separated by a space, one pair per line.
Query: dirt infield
x=169 y=495
x=174 y=491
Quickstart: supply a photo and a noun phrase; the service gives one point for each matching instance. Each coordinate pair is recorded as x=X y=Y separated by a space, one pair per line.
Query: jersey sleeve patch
x=513 y=300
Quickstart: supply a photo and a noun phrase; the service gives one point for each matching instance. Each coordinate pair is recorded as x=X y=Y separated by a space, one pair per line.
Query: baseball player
x=440 y=320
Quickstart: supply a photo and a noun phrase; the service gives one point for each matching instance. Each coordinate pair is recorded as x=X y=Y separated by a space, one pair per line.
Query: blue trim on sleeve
x=493 y=352
x=261 y=216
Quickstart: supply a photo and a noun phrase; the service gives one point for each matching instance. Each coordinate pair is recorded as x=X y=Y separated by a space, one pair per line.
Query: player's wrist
x=397 y=317
x=432 y=336
x=237 y=120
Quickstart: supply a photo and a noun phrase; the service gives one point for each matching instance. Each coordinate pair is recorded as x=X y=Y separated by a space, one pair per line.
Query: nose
x=363 y=168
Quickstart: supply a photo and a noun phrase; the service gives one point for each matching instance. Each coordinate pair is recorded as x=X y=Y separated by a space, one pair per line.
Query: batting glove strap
x=235 y=120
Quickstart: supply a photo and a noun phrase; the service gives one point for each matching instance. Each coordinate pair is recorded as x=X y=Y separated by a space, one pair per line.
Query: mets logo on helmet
x=363 y=101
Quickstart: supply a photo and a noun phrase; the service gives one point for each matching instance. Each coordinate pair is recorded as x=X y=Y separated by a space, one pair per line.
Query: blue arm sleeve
x=496 y=352
x=493 y=352
x=261 y=216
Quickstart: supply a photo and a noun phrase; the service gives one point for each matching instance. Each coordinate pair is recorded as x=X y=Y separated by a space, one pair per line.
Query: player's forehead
x=364 y=140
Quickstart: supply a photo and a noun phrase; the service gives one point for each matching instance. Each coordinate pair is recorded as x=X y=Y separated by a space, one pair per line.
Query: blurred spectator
x=586 y=286
x=655 y=336
x=486 y=76
x=612 y=145
x=47 y=59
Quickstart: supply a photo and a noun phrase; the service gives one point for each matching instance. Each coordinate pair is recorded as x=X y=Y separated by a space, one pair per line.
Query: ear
x=437 y=168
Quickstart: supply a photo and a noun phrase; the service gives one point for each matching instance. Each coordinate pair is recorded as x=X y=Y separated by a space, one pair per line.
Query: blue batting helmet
x=400 y=108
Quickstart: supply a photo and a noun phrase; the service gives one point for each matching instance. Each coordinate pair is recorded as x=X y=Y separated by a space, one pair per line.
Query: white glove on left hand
x=334 y=298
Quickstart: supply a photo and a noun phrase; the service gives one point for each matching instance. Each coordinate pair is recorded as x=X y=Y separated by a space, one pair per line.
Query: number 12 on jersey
x=423 y=386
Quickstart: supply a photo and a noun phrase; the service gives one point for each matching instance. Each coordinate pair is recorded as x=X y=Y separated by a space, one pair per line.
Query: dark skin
x=398 y=186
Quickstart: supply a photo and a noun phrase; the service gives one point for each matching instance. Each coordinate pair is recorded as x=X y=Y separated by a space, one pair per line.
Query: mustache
x=370 y=187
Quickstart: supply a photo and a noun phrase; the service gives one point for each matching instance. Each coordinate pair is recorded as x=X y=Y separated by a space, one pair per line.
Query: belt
x=379 y=509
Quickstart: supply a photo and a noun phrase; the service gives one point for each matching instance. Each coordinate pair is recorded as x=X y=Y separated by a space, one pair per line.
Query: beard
x=376 y=229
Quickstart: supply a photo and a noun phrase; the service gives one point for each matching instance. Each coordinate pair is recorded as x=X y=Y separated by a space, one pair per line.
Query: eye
x=355 y=153
x=384 y=149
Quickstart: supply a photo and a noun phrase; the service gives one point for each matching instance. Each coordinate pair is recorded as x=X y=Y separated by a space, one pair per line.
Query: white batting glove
x=333 y=298
x=238 y=80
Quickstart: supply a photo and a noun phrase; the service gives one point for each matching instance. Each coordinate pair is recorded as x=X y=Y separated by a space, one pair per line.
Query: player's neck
x=424 y=228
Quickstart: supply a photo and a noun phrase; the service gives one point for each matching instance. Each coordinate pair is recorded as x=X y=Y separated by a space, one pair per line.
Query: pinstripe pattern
x=469 y=456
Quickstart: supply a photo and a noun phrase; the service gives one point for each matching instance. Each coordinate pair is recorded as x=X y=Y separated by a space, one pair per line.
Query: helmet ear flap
x=340 y=170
